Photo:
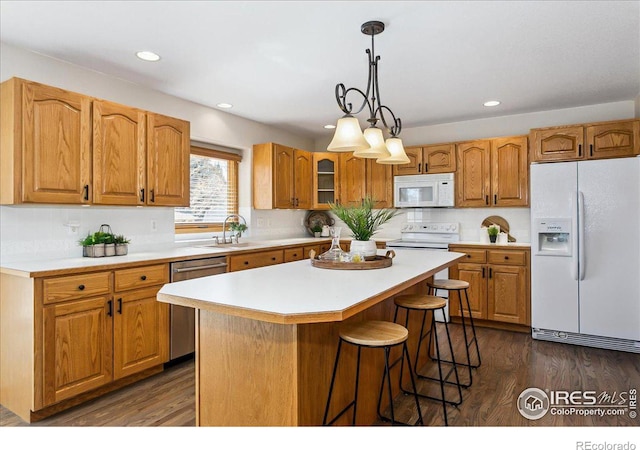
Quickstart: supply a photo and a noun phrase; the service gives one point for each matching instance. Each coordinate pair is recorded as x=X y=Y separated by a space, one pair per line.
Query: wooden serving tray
x=378 y=262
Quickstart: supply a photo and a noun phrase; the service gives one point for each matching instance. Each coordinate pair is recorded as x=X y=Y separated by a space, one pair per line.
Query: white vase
x=367 y=248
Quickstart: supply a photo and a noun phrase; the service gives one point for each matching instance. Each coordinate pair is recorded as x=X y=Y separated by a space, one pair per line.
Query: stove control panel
x=430 y=227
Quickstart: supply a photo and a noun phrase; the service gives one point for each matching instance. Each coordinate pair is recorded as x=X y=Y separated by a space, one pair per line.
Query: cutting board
x=501 y=222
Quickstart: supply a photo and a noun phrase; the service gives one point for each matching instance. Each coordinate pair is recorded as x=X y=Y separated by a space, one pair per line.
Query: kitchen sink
x=231 y=245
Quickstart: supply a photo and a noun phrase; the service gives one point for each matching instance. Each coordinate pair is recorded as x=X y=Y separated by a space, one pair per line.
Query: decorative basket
x=379 y=262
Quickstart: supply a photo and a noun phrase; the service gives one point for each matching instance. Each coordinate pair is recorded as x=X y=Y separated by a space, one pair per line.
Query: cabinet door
x=473 y=174
x=283 y=194
x=414 y=167
x=302 y=176
x=613 y=139
x=326 y=183
x=510 y=172
x=140 y=330
x=380 y=184
x=168 y=148
x=118 y=154
x=353 y=173
x=439 y=158
x=557 y=144
x=56 y=148
x=507 y=294
x=475 y=275
x=77 y=347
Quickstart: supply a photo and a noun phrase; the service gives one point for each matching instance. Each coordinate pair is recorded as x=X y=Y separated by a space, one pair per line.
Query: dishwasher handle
x=193 y=269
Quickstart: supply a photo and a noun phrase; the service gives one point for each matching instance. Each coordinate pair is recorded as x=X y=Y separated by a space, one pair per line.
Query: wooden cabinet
x=436 y=158
x=364 y=177
x=493 y=173
x=498 y=284
x=380 y=184
x=281 y=177
x=68 y=148
x=610 y=139
x=256 y=259
x=326 y=179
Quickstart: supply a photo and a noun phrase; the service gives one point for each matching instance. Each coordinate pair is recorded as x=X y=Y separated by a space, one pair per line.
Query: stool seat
x=374 y=333
x=420 y=301
x=449 y=284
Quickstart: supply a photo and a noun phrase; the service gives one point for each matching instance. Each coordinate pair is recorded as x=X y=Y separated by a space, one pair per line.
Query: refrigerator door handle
x=574 y=234
x=581 y=231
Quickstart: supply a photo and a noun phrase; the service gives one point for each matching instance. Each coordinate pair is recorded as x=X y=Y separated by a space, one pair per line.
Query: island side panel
x=317 y=345
x=246 y=372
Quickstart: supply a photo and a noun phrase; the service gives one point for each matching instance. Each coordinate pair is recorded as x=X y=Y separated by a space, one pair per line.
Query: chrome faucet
x=224 y=228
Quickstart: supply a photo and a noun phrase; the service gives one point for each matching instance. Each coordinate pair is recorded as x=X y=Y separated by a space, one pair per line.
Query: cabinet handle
x=468 y=256
x=81 y=287
x=110 y=310
x=295 y=255
x=119 y=306
x=579 y=149
x=86 y=191
x=142 y=195
x=153 y=196
x=506 y=257
x=273 y=258
x=419 y=167
x=246 y=263
x=590 y=149
x=495 y=199
x=143 y=277
x=483 y=272
x=486 y=199
x=426 y=167
x=490 y=272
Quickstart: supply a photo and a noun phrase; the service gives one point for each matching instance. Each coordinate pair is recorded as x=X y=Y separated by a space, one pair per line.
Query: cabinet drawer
x=253 y=260
x=76 y=286
x=293 y=254
x=141 y=277
x=473 y=255
x=511 y=257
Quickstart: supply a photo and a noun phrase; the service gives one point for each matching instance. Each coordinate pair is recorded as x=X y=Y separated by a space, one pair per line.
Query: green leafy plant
x=316 y=228
x=493 y=230
x=238 y=227
x=361 y=219
x=121 y=239
x=99 y=237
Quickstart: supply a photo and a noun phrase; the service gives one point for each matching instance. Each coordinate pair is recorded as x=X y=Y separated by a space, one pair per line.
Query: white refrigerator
x=585 y=263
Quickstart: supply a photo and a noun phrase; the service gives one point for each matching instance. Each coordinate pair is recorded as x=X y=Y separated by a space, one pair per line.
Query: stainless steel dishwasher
x=182 y=318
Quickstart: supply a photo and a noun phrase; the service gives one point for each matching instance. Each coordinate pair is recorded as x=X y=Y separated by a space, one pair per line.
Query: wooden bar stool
x=372 y=334
x=458 y=286
x=426 y=303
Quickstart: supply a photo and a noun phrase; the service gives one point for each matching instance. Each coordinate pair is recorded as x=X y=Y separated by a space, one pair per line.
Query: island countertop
x=297 y=292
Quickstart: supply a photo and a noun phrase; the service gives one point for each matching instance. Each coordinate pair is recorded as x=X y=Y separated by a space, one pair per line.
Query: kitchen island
x=266 y=338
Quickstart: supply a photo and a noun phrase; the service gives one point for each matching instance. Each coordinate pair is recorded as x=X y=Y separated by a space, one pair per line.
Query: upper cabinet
x=326 y=179
x=438 y=158
x=364 y=177
x=586 y=141
x=493 y=172
x=281 y=177
x=68 y=148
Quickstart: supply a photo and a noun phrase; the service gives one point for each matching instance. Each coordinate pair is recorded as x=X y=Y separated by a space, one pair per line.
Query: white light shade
x=348 y=136
x=398 y=156
x=375 y=139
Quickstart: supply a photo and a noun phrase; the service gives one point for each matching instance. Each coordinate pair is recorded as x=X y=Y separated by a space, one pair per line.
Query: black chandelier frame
x=376 y=108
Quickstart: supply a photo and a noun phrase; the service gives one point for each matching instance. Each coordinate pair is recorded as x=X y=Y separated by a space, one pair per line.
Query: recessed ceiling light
x=148 y=56
x=492 y=103
x=329 y=127
x=224 y=105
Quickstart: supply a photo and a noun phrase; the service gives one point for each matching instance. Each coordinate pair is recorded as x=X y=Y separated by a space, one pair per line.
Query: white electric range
x=429 y=236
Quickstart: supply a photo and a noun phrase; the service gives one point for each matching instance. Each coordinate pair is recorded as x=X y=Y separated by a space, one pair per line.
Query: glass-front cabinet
x=325 y=179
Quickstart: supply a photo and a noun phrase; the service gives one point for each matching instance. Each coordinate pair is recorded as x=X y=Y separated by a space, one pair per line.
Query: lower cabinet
x=90 y=342
x=499 y=280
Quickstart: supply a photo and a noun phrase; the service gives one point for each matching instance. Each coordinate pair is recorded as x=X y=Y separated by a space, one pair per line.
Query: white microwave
x=424 y=191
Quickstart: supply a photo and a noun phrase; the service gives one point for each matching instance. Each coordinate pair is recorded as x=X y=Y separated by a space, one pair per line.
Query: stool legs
x=386 y=377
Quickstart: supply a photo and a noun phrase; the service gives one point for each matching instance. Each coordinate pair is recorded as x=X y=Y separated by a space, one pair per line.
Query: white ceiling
x=278 y=62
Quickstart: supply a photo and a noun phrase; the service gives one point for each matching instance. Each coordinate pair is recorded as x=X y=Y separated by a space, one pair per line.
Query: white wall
x=34 y=231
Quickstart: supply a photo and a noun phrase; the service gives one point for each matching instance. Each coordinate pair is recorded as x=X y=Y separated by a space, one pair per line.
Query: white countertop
x=522 y=245
x=298 y=292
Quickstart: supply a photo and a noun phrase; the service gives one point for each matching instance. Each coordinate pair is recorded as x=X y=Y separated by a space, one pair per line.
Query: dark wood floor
x=511 y=362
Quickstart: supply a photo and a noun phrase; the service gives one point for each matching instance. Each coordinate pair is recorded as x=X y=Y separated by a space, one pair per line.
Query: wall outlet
x=260 y=223
x=154 y=225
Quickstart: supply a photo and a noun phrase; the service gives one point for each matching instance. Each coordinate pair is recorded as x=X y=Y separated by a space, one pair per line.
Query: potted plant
x=317 y=230
x=237 y=228
x=363 y=222
x=493 y=233
x=93 y=245
x=121 y=244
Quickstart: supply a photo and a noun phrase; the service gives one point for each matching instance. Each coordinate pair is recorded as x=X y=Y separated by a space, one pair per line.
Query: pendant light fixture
x=348 y=136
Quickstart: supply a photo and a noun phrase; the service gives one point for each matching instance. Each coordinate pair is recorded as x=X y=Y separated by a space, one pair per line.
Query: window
x=213 y=192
